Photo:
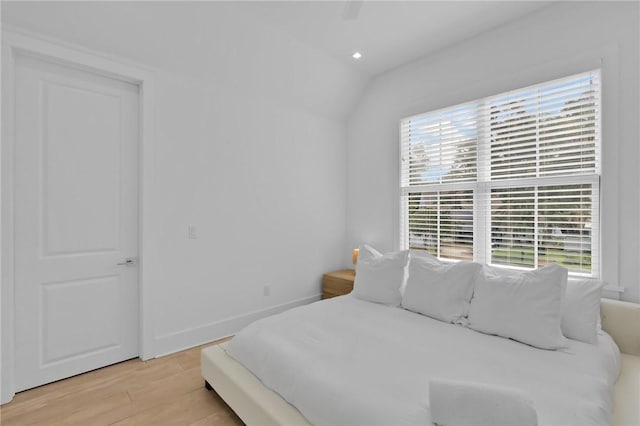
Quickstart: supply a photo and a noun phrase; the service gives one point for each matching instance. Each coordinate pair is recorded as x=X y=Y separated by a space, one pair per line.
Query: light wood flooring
x=162 y=391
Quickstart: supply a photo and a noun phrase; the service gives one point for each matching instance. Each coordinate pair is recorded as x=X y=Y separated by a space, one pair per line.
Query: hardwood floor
x=162 y=391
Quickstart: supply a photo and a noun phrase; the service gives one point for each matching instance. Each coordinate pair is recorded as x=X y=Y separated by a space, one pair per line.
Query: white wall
x=263 y=183
x=250 y=148
x=554 y=42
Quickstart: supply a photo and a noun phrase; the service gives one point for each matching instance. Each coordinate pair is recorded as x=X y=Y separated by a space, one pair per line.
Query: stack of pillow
x=540 y=308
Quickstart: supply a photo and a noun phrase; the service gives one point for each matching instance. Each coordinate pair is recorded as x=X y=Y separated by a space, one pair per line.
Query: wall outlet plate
x=192 y=232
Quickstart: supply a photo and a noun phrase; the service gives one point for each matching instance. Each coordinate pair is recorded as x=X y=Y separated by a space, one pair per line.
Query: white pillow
x=439 y=290
x=423 y=254
x=378 y=276
x=526 y=307
x=581 y=310
x=581 y=306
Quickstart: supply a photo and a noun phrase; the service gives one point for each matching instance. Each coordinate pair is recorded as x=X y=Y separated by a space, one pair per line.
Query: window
x=509 y=180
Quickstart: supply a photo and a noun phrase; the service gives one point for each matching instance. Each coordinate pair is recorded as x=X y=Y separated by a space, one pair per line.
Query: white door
x=76 y=219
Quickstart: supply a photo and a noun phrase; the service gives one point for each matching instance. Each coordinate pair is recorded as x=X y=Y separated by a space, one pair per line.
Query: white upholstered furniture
x=257 y=405
x=622 y=321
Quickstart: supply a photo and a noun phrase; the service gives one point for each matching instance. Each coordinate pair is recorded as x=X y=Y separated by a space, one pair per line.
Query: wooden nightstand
x=337 y=283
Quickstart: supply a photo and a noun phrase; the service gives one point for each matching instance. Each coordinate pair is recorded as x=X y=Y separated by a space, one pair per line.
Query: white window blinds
x=512 y=179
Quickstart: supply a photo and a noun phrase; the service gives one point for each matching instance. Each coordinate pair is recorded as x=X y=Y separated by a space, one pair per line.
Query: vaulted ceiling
x=387 y=33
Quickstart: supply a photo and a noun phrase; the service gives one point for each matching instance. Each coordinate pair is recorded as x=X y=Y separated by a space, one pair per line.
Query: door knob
x=129 y=261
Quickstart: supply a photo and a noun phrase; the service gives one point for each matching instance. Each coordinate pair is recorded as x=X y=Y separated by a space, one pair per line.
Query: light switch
x=192 y=232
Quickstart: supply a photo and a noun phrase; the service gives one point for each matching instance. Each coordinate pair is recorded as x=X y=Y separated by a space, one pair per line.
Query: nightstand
x=337 y=283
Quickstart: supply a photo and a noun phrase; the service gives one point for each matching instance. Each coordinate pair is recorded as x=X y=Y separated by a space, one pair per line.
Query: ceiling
x=387 y=33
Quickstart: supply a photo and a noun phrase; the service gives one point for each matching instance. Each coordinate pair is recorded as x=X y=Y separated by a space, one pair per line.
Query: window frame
x=483 y=185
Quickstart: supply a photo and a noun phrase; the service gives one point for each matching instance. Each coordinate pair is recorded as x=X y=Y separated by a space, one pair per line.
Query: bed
x=351 y=363
x=421 y=341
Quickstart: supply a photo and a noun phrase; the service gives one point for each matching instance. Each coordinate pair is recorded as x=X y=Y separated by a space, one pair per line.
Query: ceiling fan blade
x=352 y=9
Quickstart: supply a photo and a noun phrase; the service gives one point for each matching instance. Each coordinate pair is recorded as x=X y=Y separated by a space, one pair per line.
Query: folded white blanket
x=458 y=403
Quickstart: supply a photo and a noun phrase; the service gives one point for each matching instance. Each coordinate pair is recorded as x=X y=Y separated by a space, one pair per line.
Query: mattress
x=344 y=361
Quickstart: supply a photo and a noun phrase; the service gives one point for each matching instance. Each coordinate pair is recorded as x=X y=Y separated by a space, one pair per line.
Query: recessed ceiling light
x=357 y=55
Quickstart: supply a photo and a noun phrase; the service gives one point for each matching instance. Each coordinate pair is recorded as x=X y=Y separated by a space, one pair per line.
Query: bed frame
x=256 y=404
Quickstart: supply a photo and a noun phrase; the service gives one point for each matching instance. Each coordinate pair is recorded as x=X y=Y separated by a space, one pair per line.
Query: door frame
x=16 y=41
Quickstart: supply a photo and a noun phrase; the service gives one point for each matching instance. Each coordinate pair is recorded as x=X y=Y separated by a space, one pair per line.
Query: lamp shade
x=354 y=255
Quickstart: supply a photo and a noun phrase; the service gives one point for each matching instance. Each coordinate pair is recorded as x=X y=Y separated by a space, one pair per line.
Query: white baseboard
x=186 y=339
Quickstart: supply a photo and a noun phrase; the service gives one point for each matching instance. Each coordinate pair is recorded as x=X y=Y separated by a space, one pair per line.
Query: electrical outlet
x=192 y=232
x=267 y=289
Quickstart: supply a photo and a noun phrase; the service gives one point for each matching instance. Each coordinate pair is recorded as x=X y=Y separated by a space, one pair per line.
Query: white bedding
x=346 y=361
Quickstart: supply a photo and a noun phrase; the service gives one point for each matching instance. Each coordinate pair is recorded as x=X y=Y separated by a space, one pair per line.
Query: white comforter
x=345 y=361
